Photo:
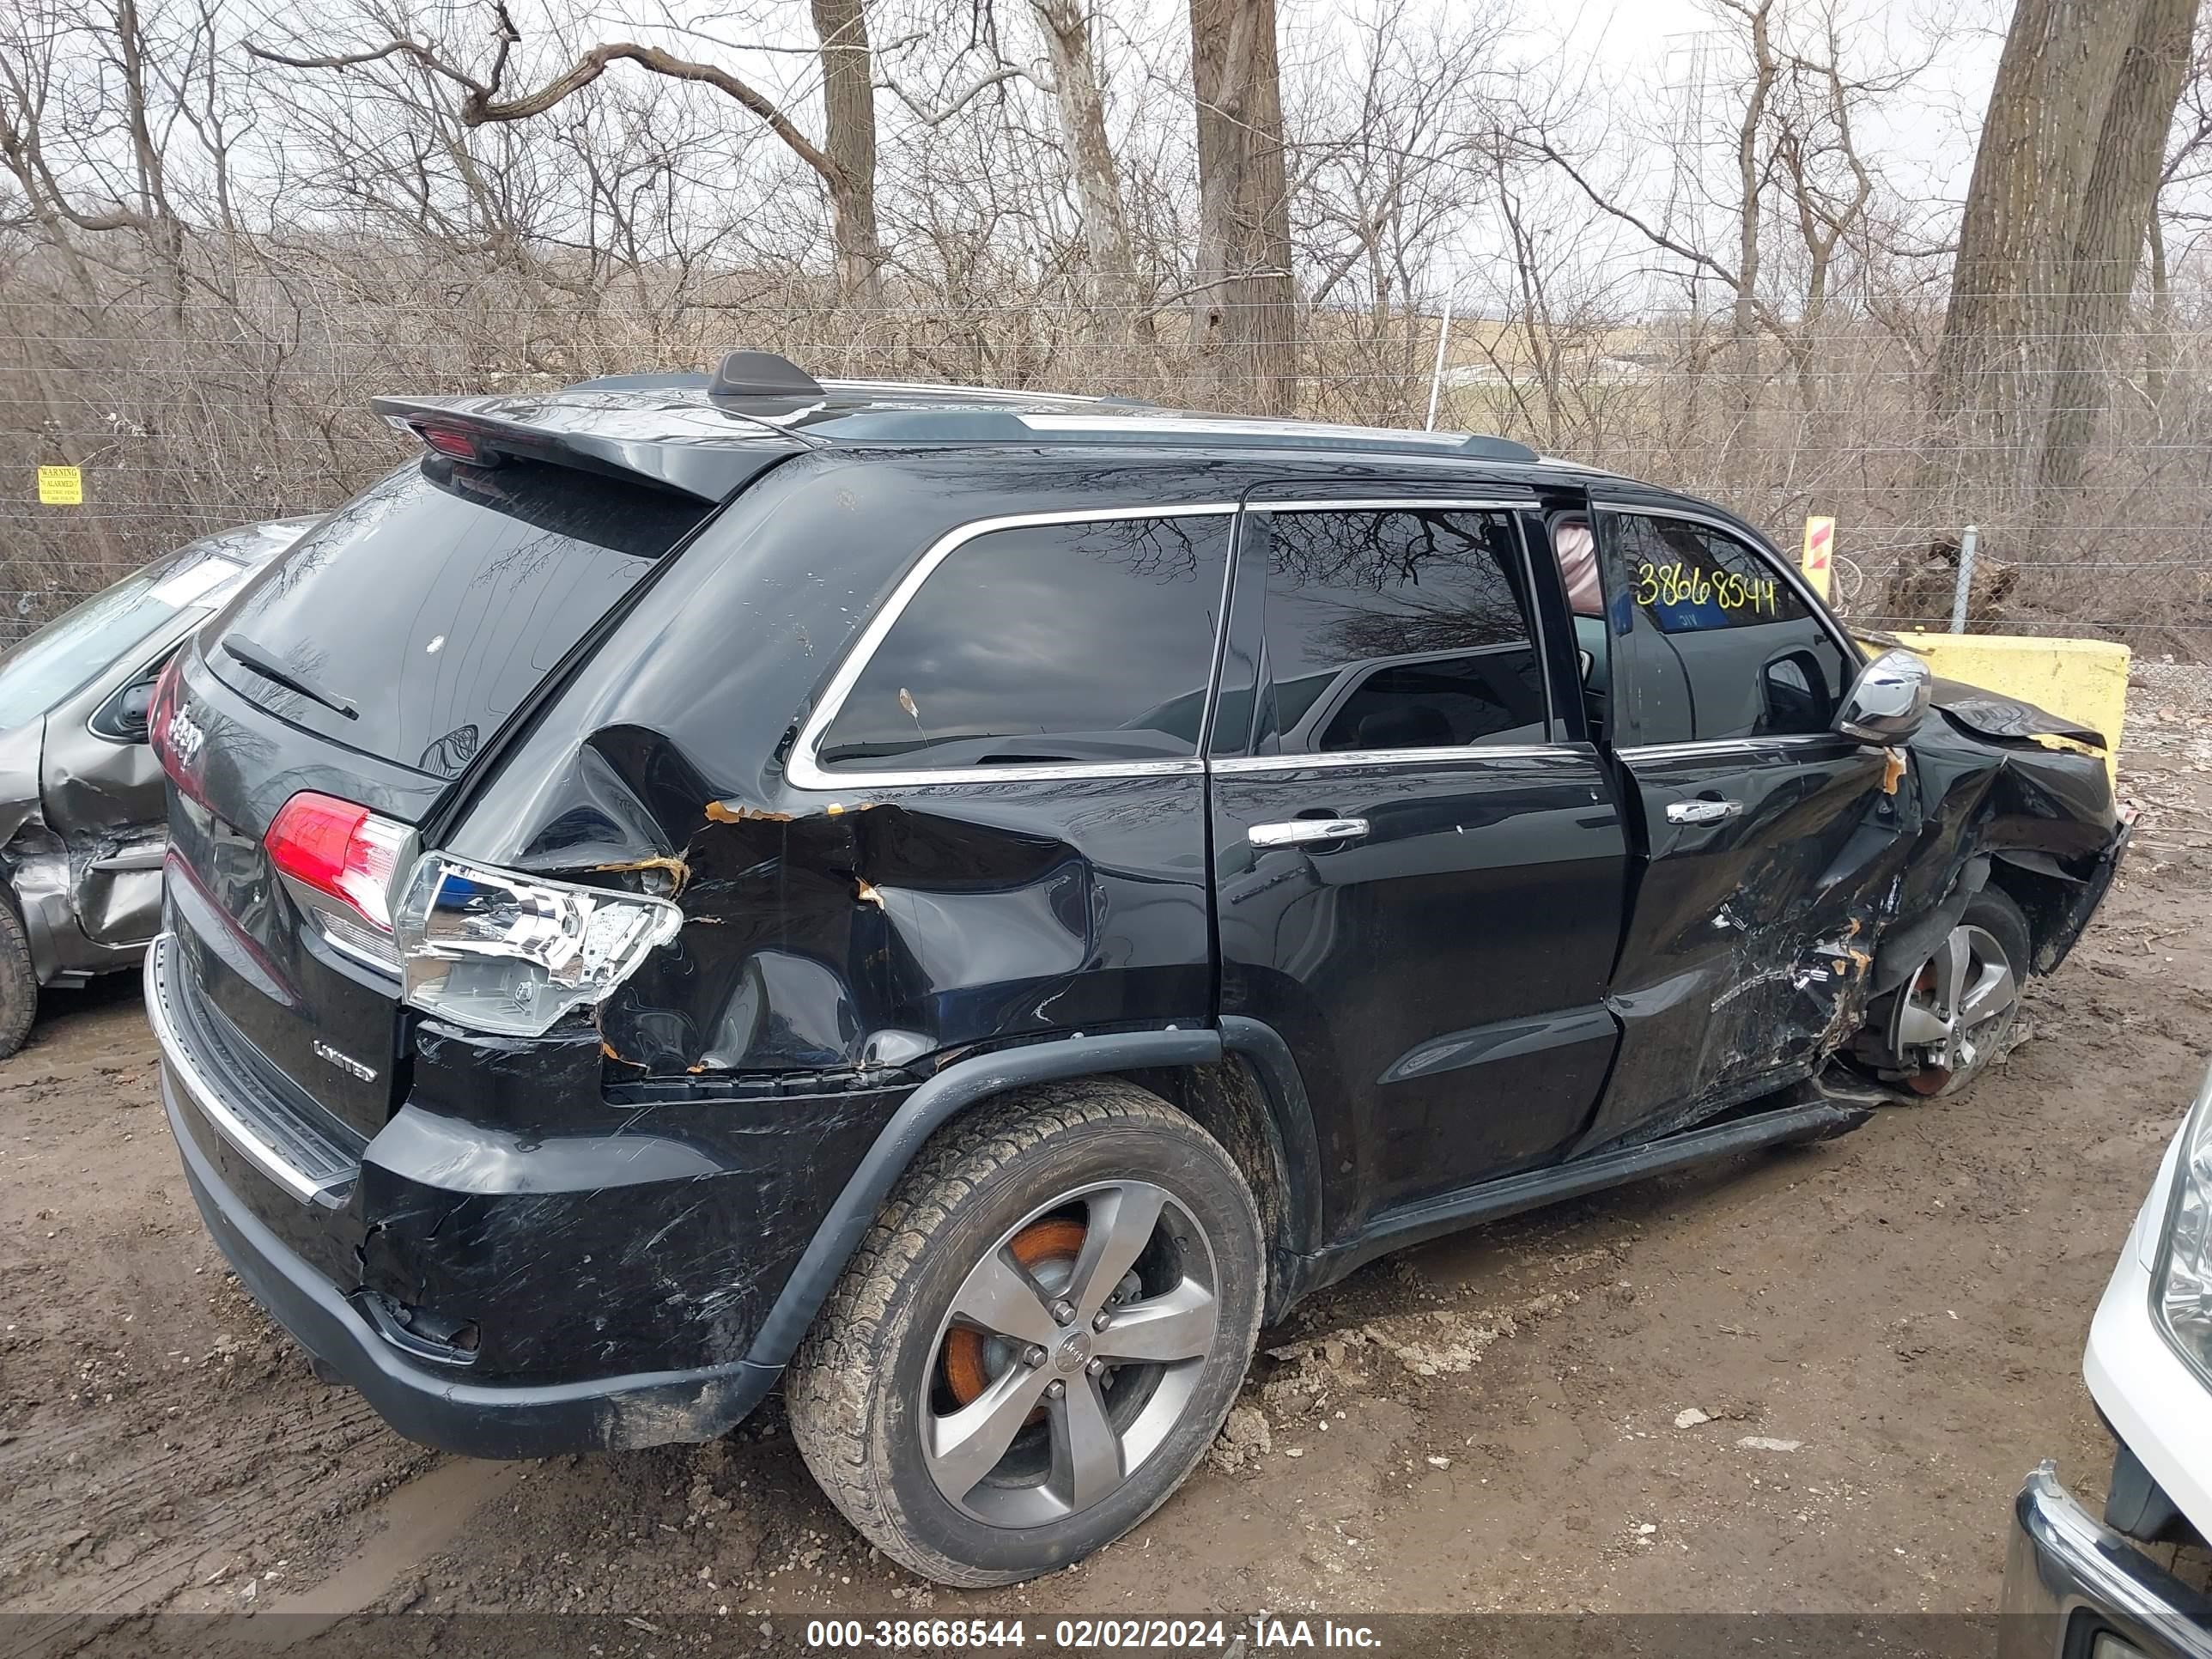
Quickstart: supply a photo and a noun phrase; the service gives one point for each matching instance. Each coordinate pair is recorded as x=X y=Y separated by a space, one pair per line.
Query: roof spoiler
x=694 y=448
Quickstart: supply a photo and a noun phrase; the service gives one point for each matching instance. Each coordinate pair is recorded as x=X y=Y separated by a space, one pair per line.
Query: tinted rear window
x=1046 y=644
x=435 y=603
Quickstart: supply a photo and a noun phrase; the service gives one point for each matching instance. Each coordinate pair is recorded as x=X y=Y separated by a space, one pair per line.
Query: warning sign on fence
x=61 y=486
x=1820 y=553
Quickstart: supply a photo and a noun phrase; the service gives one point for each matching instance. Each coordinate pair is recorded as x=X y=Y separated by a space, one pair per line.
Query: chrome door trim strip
x=1347 y=759
x=1371 y=503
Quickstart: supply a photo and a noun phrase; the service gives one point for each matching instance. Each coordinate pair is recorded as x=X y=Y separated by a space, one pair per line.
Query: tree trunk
x=2115 y=210
x=848 y=138
x=1082 y=103
x=1245 y=319
x=1743 y=318
x=2158 y=358
x=2054 y=86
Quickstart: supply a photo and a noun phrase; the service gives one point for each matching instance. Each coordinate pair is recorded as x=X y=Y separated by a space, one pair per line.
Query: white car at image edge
x=2085 y=1590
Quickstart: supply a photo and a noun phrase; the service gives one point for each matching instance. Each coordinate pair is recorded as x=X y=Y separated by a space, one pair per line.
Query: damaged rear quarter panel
x=581 y=1234
x=825 y=931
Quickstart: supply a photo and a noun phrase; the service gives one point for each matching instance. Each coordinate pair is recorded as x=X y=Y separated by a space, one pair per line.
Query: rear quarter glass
x=434 y=602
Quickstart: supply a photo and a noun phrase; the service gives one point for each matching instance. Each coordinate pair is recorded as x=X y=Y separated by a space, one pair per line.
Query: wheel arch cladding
x=1233 y=1102
x=955 y=1088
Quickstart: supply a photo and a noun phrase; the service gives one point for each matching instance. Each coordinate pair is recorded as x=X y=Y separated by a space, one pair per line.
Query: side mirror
x=130 y=713
x=1887 y=702
x=122 y=718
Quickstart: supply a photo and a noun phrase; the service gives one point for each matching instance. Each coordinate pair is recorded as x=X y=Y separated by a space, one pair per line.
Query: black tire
x=877 y=1364
x=1991 y=914
x=18 y=981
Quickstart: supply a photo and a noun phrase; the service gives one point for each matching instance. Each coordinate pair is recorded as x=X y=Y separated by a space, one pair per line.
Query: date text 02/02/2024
x=1253 y=1634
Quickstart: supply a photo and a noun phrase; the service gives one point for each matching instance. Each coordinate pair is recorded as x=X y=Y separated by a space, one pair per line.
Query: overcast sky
x=1933 y=128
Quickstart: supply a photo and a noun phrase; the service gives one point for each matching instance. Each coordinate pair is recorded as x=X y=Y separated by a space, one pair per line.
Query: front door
x=1765 y=839
x=1419 y=860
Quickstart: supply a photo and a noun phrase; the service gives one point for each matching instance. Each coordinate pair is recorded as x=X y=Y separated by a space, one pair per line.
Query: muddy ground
x=1881 y=1335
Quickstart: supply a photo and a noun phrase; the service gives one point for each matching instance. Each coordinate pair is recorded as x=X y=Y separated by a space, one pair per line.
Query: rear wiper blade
x=269 y=668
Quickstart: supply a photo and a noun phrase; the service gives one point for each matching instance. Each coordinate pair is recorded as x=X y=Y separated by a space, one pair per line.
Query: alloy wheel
x=1070 y=1352
x=1956 y=1010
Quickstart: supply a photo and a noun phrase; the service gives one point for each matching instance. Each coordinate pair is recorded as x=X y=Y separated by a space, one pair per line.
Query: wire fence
x=246 y=398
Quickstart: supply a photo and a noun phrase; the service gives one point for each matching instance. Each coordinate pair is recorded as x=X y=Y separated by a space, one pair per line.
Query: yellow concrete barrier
x=2084 y=680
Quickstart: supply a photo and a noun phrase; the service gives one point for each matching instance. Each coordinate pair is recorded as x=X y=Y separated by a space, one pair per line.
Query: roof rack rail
x=762 y=374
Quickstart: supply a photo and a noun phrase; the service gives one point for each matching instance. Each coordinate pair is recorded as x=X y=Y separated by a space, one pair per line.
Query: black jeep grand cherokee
x=970 y=902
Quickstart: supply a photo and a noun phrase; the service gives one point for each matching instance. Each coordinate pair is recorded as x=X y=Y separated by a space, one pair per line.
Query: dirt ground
x=1807 y=1381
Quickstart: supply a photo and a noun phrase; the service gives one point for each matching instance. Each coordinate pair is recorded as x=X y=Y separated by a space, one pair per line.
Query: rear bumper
x=608 y=1281
x=475 y=1419
x=2070 y=1578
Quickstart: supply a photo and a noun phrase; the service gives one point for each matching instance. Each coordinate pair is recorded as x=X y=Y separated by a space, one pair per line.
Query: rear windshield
x=416 y=617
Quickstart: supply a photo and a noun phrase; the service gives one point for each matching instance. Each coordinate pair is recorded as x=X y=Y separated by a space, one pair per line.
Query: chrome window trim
x=1342 y=759
x=1721 y=745
x=804 y=770
x=1370 y=503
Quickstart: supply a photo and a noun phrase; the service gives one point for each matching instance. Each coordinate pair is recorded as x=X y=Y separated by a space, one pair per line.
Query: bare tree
x=2188 y=165
x=1776 y=98
x=844 y=161
x=2112 y=222
x=1079 y=93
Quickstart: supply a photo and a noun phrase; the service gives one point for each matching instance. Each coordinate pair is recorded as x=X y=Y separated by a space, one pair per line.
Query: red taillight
x=452 y=442
x=339 y=849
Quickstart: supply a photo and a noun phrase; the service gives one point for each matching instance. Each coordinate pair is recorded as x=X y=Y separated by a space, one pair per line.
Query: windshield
x=73 y=650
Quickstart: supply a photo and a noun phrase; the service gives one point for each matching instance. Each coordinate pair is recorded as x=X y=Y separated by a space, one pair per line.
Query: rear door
x=1419 y=861
x=1765 y=838
x=371 y=664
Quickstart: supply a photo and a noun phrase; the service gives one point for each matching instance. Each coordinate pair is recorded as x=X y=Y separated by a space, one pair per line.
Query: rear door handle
x=1701 y=811
x=1299 y=831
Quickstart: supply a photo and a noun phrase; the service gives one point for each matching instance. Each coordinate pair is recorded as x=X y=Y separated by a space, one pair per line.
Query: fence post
x=1967 y=540
x=1436 y=375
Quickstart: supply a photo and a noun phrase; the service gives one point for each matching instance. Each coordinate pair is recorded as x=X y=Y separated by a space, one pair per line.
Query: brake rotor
x=1929 y=1080
x=1053 y=1241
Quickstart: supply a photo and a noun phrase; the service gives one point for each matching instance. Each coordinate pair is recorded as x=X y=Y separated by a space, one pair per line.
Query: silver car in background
x=81 y=812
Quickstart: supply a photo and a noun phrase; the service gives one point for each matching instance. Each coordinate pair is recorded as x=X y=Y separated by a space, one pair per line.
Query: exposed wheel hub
x=1073 y=1355
x=1047 y=1250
